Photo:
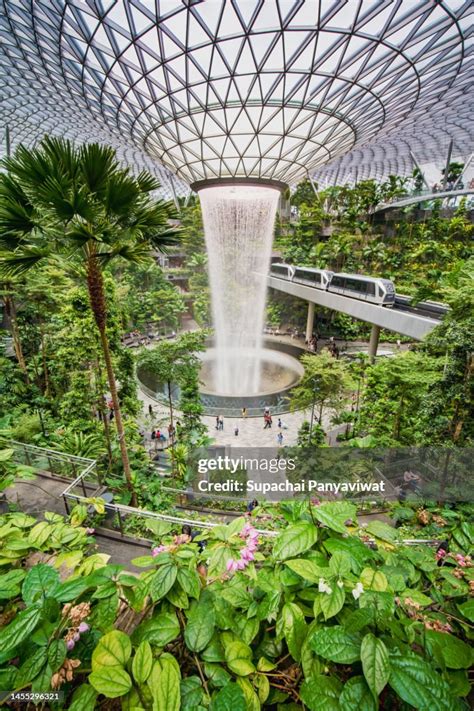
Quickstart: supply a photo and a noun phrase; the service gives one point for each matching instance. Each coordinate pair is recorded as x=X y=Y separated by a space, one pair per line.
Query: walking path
x=251 y=431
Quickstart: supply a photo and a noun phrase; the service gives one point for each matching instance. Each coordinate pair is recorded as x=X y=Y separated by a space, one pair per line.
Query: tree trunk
x=45 y=363
x=103 y=415
x=11 y=314
x=170 y=402
x=95 y=285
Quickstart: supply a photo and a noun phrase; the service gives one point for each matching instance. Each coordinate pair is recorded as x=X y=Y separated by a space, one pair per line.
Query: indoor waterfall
x=238 y=226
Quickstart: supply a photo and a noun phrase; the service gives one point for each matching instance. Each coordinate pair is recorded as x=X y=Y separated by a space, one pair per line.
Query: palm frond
x=97 y=164
x=147 y=182
x=29 y=167
x=136 y=253
x=121 y=194
x=165 y=238
x=16 y=219
x=20 y=262
x=63 y=157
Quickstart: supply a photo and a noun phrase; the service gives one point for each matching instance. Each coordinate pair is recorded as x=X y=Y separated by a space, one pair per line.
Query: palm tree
x=77 y=204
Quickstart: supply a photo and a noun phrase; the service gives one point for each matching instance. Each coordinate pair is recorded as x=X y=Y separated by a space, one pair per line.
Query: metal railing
x=76 y=492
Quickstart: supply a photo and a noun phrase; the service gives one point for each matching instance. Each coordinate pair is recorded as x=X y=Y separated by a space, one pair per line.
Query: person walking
x=244 y=412
x=236 y=431
x=221 y=423
x=280 y=439
x=150 y=410
x=266 y=419
x=218 y=422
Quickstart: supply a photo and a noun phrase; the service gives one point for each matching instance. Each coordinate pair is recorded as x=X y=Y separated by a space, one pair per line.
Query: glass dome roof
x=260 y=89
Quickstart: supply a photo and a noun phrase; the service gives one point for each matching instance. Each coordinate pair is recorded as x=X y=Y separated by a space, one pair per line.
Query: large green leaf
x=334 y=514
x=417 y=683
x=142 y=663
x=382 y=530
x=42 y=581
x=340 y=564
x=200 y=626
x=164 y=684
x=39 y=534
x=375 y=663
x=19 y=629
x=295 y=540
x=114 y=649
x=333 y=602
x=56 y=654
x=336 y=644
x=238 y=657
x=373 y=580
x=191 y=692
x=456 y=653
x=111 y=681
x=189 y=581
x=467 y=610
x=356 y=696
x=307 y=569
x=160 y=630
x=294 y=628
x=163 y=581
x=32 y=666
x=321 y=693
x=230 y=698
x=83 y=699
x=10 y=584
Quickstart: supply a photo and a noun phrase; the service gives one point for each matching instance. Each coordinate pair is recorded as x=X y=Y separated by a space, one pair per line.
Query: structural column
x=310 y=321
x=374 y=342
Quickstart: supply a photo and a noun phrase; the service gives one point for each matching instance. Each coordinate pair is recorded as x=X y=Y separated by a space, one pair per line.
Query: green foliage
x=302 y=622
x=325 y=383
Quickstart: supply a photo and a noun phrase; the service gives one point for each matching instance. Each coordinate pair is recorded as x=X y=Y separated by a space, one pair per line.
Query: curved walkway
x=423 y=197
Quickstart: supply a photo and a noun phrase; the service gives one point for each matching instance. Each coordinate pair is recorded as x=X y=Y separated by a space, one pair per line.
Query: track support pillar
x=309 y=321
x=374 y=342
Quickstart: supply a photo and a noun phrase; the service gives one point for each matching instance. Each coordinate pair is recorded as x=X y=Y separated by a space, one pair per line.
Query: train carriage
x=371 y=289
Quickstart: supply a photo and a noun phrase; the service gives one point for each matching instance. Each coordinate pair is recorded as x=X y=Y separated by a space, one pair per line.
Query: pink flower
x=440 y=554
x=83 y=627
x=77 y=637
x=315 y=501
x=90 y=531
x=156 y=551
x=231 y=565
x=70 y=644
x=240 y=564
x=247 y=554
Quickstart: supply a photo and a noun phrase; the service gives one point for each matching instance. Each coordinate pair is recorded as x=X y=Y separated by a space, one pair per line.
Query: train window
x=338 y=281
x=371 y=288
x=353 y=284
x=381 y=292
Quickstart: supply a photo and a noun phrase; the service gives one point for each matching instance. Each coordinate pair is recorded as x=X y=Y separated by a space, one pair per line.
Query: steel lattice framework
x=260 y=89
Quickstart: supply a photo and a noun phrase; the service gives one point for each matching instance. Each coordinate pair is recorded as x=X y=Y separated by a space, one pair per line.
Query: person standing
x=236 y=431
x=221 y=423
x=280 y=439
x=218 y=422
x=244 y=412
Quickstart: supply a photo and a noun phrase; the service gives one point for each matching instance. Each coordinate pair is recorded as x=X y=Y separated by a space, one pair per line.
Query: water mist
x=238 y=227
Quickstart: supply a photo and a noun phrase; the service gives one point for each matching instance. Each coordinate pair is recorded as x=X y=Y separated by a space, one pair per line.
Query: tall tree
x=326 y=383
x=80 y=205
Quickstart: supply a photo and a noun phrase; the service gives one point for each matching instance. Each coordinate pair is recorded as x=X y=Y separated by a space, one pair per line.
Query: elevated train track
x=405 y=318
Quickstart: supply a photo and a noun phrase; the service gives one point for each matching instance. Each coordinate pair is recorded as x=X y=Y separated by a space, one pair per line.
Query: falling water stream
x=238 y=226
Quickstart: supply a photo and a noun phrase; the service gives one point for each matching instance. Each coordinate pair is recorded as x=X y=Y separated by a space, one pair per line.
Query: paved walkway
x=251 y=432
